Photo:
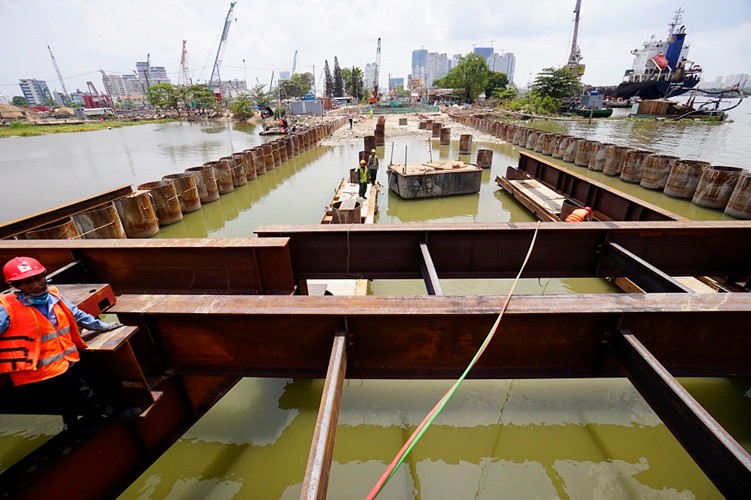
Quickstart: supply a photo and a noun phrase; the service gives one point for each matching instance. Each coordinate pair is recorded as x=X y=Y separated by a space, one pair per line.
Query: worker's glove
x=112 y=326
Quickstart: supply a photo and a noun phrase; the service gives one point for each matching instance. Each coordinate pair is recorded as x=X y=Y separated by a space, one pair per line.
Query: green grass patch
x=25 y=129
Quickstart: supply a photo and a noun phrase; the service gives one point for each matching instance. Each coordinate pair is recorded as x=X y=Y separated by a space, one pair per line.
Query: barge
x=434 y=179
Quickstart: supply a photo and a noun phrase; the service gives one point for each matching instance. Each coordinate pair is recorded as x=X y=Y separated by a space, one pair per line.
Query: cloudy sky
x=88 y=35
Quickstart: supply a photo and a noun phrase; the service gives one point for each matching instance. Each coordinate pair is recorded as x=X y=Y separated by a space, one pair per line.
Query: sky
x=87 y=36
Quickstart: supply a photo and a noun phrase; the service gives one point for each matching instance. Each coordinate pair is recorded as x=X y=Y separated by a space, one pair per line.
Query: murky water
x=496 y=439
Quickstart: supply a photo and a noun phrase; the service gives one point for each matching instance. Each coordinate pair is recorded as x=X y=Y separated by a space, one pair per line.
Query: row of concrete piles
x=439 y=131
x=726 y=188
x=163 y=202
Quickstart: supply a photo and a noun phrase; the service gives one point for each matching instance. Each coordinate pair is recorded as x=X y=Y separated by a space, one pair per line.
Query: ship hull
x=655 y=89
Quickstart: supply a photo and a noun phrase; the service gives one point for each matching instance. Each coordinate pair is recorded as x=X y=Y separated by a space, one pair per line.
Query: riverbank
x=25 y=129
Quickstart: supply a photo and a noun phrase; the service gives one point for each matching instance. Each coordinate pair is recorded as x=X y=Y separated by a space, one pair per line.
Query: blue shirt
x=83 y=319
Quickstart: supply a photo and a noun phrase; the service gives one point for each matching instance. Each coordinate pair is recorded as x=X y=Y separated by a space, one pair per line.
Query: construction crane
x=374 y=98
x=184 y=77
x=575 y=57
x=66 y=97
x=215 y=77
x=294 y=64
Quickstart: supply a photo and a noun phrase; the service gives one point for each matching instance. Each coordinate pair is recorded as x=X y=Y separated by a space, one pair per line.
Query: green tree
x=556 y=83
x=470 y=77
x=338 y=80
x=242 y=107
x=328 y=80
x=260 y=96
x=297 y=86
x=497 y=81
x=199 y=97
x=19 y=101
x=165 y=96
x=353 y=82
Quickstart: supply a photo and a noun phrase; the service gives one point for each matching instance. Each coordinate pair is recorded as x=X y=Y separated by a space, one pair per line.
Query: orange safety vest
x=31 y=349
x=578 y=215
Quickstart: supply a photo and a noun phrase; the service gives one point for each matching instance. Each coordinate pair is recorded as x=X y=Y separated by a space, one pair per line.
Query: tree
x=338 y=80
x=353 y=82
x=298 y=85
x=470 y=76
x=497 y=81
x=558 y=84
x=259 y=96
x=19 y=101
x=242 y=107
x=165 y=96
x=328 y=81
x=199 y=97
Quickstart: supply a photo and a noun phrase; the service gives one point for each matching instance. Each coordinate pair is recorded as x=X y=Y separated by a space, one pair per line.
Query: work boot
x=123 y=414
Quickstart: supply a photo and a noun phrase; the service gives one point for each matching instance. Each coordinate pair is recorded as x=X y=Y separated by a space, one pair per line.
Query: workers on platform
x=373 y=166
x=362 y=179
x=579 y=215
x=39 y=350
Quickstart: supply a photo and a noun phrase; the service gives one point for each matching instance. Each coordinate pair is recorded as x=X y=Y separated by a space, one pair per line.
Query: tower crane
x=66 y=97
x=294 y=64
x=575 y=57
x=215 y=78
x=374 y=97
x=184 y=77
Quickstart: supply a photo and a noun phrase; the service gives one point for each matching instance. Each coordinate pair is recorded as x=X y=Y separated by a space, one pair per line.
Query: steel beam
x=435 y=337
x=318 y=469
x=647 y=277
x=429 y=274
x=726 y=463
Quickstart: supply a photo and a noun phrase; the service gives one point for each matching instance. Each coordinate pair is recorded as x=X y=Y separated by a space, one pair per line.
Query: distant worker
x=579 y=215
x=362 y=179
x=39 y=350
x=351 y=120
x=373 y=166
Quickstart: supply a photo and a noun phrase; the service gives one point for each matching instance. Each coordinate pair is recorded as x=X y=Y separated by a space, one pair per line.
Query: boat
x=594 y=113
x=661 y=67
x=433 y=179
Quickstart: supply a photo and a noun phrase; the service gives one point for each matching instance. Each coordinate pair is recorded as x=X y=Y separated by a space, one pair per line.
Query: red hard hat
x=20 y=268
x=588 y=209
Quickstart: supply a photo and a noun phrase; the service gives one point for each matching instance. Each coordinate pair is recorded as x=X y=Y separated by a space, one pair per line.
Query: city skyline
x=538 y=33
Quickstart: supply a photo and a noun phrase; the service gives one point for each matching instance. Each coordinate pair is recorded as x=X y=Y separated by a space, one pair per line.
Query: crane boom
x=184 y=76
x=66 y=98
x=294 y=64
x=374 y=97
x=215 y=78
x=575 y=55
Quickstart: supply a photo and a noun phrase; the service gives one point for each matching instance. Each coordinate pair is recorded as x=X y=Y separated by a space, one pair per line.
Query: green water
x=495 y=439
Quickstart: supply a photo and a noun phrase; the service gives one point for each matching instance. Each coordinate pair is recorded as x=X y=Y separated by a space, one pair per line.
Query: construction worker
x=373 y=166
x=39 y=350
x=362 y=179
x=579 y=215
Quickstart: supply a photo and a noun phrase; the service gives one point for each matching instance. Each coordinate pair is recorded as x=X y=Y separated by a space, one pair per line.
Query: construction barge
x=433 y=179
x=202 y=313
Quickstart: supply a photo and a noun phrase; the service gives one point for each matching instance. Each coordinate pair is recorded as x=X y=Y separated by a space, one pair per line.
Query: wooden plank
x=726 y=463
x=434 y=337
x=429 y=274
x=318 y=469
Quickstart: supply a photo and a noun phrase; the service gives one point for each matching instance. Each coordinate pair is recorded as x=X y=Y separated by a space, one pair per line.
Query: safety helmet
x=372 y=150
x=362 y=162
x=588 y=209
x=19 y=268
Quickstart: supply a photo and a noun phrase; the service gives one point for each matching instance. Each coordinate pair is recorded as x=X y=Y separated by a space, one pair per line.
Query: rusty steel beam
x=429 y=274
x=318 y=469
x=435 y=337
x=723 y=460
x=609 y=203
x=179 y=265
x=716 y=248
x=643 y=274
x=17 y=227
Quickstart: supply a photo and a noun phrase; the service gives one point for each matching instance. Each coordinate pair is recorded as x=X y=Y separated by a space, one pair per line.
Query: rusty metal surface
x=435 y=337
x=318 y=468
x=180 y=265
x=497 y=250
x=726 y=463
x=641 y=273
x=19 y=226
x=606 y=201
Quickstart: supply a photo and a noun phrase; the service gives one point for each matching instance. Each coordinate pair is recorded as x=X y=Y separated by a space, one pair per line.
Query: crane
x=374 y=97
x=575 y=56
x=184 y=77
x=294 y=64
x=66 y=97
x=215 y=78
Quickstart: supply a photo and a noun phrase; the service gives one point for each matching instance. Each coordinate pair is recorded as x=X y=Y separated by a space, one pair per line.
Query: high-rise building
x=153 y=75
x=114 y=85
x=455 y=60
x=418 y=63
x=35 y=91
x=369 y=75
x=436 y=66
x=133 y=86
x=485 y=52
x=503 y=63
x=396 y=83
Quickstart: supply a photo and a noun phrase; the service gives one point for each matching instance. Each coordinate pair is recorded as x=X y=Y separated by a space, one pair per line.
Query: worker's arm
x=4 y=320
x=88 y=321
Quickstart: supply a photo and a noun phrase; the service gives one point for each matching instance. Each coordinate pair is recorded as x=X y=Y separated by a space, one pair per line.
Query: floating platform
x=273 y=131
x=434 y=179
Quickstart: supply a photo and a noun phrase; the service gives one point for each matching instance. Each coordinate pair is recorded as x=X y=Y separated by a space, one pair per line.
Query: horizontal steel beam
x=641 y=273
x=435 y=337
x=716 y=248
x=723 y=460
